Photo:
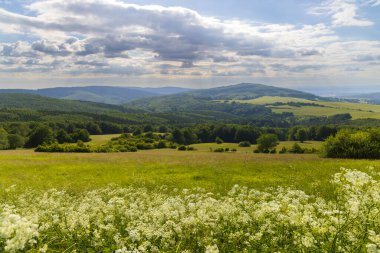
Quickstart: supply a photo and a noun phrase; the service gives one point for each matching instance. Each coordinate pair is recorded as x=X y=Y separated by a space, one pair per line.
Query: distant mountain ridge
x=189 y=100
x=100 y=94
x=373 y=98
x=245 y=91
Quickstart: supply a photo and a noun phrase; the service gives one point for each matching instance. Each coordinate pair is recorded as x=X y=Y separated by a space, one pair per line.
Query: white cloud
x=344 y=12
x=111 y=38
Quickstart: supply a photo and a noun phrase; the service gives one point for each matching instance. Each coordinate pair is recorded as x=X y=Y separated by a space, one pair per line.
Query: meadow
x=357 y=110
x=165 y=200
x=187 y=201
x=215 y=172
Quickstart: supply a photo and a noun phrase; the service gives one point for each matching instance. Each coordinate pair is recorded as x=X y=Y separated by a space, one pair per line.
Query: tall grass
x=116 y=219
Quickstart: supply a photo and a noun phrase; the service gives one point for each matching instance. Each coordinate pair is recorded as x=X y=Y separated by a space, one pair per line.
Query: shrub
x=219 y=150
x=190 y=148
x=161 y=144
x=296 y=149
x=283 y=150
x=218 y=140
x=182 y=148
x=244 y=144
x=356 y=145
x=267 y=142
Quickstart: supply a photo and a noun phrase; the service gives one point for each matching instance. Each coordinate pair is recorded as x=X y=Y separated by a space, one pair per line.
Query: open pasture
x=216 y=172
x=357 y=110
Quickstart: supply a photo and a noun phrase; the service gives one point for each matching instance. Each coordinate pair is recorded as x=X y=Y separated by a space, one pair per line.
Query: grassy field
x=287 y=144
x=102 y=139
x=216 y=172
x=357 y=110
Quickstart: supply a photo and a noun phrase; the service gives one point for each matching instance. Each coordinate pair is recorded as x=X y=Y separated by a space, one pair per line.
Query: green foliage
x=218 y=140
x=219 y=150
x=4 y=144
x=244 y=144
x=362 y=144
x=182 y=148
x=16 y=141
x=296 y=149
x=40 y=135
x=301 y=135
x=283 y=150
x=267 y=142
x=80 y=135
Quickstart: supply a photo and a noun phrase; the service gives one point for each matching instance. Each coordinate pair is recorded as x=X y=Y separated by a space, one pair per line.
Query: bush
x=182 y=148
x=161 y=144
x=356 y=145
x=283 y=150
x=40 y=135
x=267 y=142
x=244 y=144
x=219 y=150
x=218 y=140
x=296 y=149
x=233 y=150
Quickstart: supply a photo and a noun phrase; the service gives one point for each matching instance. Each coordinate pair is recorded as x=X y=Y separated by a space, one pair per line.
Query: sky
x=326 y=47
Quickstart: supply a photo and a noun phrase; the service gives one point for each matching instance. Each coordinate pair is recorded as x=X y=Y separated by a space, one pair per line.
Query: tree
x=177 y=136
x=163 y=129
x=267 y=142
x=81 y=135
x=218 y=140
x=351 y=144
x=3 y=139
x=148 y=128
x=40 y=135
x=63 y=137
x=93 y=128
x=301 y=135
x=16 y=141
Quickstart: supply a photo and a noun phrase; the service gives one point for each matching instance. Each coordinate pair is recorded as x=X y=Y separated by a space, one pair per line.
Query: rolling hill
x=373 y=98
x=244 y=91
x=194 y=99
x=100 y=94
x=42 y=103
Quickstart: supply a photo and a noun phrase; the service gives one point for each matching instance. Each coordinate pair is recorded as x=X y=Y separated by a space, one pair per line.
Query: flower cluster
x=116 y=219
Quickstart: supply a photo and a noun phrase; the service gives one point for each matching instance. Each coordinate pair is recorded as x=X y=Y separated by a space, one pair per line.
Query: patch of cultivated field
x=357 y=110
x=216 y=172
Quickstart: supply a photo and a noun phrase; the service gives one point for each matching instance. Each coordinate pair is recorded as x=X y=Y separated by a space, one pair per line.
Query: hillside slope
x=373 y=98
x=100 y=94
x=250 y=91
x=191 y=100
x=41 y=103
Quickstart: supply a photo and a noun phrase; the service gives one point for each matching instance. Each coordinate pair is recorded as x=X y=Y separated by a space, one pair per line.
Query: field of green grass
x=287 y=144
x=357 y=110
x=102 y=139
x=216 y=172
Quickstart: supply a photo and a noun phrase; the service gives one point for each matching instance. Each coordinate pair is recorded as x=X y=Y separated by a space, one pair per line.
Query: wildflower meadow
x=115 y=219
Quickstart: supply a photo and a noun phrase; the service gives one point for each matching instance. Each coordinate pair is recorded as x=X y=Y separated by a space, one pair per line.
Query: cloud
x=113 y=38
x=297 y=68
x=366 y=58
x=343 y=12
x=353 y=69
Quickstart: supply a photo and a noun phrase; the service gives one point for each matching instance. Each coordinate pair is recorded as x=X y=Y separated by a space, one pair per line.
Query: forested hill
x=41 y=103
x=197 y=99
x=250 y=91
x=100 y=94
